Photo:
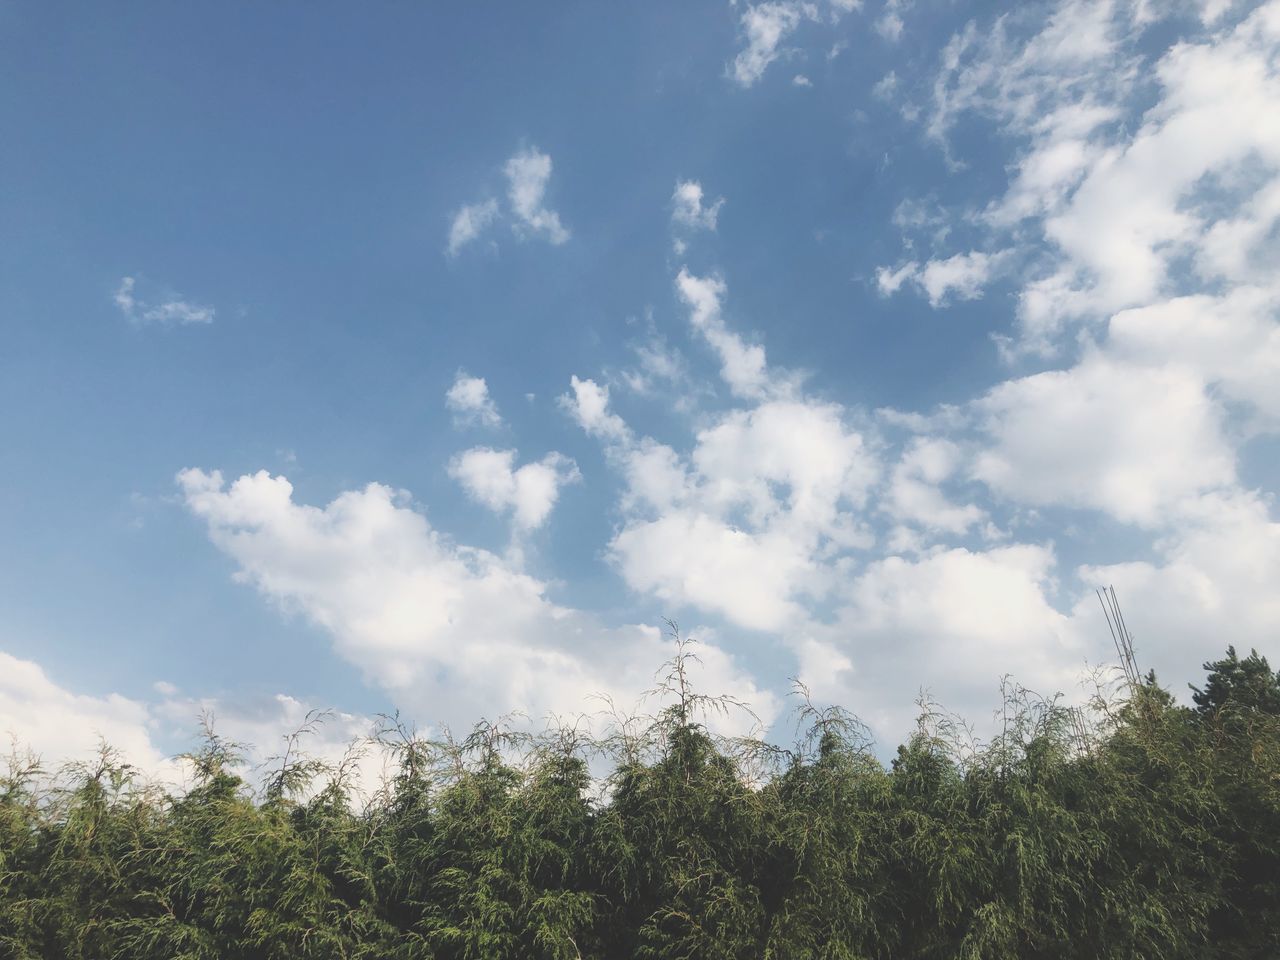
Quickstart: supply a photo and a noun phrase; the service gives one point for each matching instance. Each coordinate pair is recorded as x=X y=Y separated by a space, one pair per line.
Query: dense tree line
x=1137 y=828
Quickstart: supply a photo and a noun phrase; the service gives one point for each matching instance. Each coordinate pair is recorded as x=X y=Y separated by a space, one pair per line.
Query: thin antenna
x=1080 y=727
x=1120 y=635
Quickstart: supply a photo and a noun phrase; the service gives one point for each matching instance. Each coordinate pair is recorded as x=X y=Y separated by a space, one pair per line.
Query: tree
x=1240 y=686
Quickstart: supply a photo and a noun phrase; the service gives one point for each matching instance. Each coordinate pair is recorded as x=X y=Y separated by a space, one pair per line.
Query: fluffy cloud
x=470 y=402
x=1232 y=341
x=1156 y=226
x=944 y=622
x=961 y=276
x=1142 y=206
x=589 y=406
x=1135 y=212
x=59 y=725
x=528 y=173
x=749 y=578
x=915 y=488
x=439 y=625
x=171 y=310
x=688 y=209
x=1133 y=442
x=1143 y=239
x=1123 y=199
x=529 y=492
x=1214 y=575
x=890 y=281
x=749 y=523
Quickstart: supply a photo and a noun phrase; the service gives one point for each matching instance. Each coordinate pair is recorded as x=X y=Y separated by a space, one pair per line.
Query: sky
x=427 y=358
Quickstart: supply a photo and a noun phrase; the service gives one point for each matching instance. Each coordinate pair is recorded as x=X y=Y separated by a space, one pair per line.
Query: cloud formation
x=764 y=27
x=61 y=726
x=962 y=277
x=527 y=173
x=470 y=402
x=688 y=209
x=1137 y=228
x=167 y=311
x=529 y=491
x=439 y=625
x=470 y=222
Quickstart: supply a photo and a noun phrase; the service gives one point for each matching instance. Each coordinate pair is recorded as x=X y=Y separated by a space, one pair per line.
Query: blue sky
x=425 y=358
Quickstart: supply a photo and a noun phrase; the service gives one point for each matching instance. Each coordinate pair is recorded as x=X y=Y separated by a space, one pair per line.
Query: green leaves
x=1140 y=828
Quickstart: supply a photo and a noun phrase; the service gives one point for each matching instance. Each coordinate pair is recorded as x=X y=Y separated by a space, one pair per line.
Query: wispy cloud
x=764 y=27
x=528 y=173
x=961 y=277
x=172 y=310
x=470 y=222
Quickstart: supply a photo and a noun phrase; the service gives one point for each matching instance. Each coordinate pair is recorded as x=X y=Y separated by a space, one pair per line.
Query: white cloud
x=1132 y=442
x=528 y=172
x=890 y=23
x=1134 y=213
x=260 y=724
x=439 y=625
x=1243 y=248
x=529 y=491
x=962 y=276
x=1149 y=233
x=915 y=494
x=800 y=80
x=746 y=527
x=470 y=222
x=658 y=365
x=1122 y=199
x=890 y=282
x=1232 y=341
x=764 y=27
x=890 y=26
x=470 y=402
x=750 y=522
x=1077 y=57
x=688 y=210
x=750 y=579
x=167 y=311
x=742 y=365
x=885 y=87
x=949 y=622
x=1216 y=574
x=60 y=725
x=589 y=406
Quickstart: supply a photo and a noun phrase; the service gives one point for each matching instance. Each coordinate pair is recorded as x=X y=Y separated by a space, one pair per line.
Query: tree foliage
x=1135 y=828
